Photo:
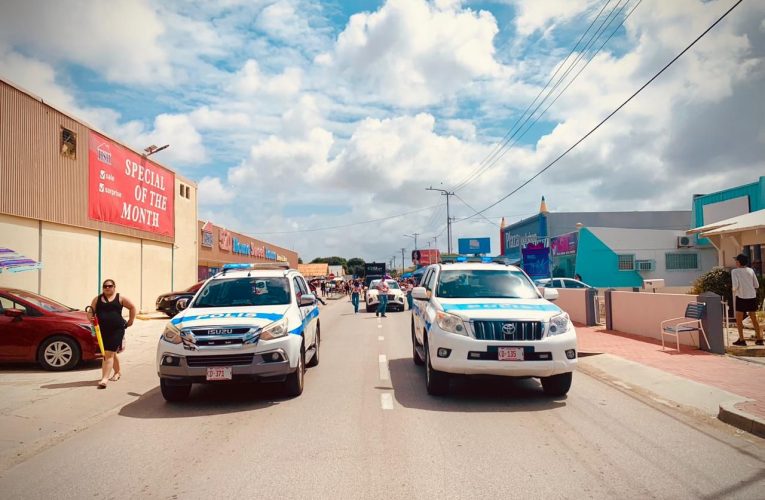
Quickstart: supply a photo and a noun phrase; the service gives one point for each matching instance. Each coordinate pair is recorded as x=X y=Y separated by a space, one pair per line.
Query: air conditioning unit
x=684 y=242
x=645 y=265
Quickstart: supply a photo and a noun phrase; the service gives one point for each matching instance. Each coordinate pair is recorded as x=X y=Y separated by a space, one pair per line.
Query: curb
x=741 y=419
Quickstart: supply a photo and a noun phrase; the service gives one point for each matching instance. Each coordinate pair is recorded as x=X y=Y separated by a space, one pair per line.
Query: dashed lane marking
x=380 y=338
x=386 y=401
x=383 y=362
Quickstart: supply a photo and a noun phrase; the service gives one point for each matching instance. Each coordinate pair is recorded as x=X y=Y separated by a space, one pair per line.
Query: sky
x=303 y=120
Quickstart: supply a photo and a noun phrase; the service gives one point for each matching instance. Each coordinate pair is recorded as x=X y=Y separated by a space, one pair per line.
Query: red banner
x=129 y=190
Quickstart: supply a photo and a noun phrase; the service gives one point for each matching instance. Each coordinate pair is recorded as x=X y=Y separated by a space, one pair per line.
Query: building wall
x=121 y=261
x=516 y=236
x=157 y=273
x=754 y=191
x=186 y=250
x=70 y=264
x=598 y=264
x=565 y=222
x=220 y=254
x=23 y=236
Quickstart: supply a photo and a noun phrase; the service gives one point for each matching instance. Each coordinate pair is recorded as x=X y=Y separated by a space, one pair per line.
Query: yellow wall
x=21 y=235
x=156 y=273
x=186 y=255
x=121 y=261
x=70 y=264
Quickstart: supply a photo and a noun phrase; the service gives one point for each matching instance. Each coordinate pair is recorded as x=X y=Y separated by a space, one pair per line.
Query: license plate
x=511 y=353
x=219 y=373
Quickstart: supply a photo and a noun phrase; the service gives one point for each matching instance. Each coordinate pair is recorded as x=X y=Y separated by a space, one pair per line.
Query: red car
x=34 y=328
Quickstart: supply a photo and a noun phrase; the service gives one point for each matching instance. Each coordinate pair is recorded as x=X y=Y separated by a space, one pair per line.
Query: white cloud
x=212 y=192
x=534 y=15
x=118 y=39
x=412 y=53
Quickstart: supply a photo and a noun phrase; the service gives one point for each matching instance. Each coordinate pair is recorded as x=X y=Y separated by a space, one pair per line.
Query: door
x=309 y=321
x=17 y=335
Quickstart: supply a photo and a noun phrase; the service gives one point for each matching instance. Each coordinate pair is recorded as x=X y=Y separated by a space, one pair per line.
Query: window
x=681 y=261
x=484 y=283
x=184 y=191
x=188 y=192
x=626 y=262
x=644 y=265
x=68 y=144
x=180 y=188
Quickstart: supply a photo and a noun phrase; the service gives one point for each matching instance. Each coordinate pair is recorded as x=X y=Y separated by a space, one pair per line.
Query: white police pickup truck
x=249 y=322
x=488 y=318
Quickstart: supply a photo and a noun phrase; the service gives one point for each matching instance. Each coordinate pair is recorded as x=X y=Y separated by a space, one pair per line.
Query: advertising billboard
x=564 y=244
x=426 y=257
x=125 y=188
x=474 y=245
x=536 y=261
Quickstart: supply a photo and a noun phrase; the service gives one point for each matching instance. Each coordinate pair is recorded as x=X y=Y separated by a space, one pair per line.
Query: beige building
x=89 y=208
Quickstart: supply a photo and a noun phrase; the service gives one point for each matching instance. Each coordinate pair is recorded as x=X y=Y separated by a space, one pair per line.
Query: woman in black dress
x=108 y=307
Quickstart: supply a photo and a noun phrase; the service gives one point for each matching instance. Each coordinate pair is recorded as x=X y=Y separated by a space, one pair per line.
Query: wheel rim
x=58 y=353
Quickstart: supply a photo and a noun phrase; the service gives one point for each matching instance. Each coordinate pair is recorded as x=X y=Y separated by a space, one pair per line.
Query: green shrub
x=717 y=280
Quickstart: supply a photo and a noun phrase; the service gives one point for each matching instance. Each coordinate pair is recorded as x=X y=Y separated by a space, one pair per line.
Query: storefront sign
x=564 y=244
x=207 y=235
x=127 y=189
x=536 y=261
x=224 y=240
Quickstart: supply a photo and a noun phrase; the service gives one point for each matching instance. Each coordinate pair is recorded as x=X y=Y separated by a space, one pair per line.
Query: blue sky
x=316 y=114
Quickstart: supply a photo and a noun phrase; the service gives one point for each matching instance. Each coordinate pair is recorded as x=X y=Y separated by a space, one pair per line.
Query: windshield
x=244 y=292
x=485 y=283
x=43 y=303
x=391 y=284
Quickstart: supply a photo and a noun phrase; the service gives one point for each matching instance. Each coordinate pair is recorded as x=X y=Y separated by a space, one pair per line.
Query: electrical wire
x=509 y=135
x=596 y=127
x=515 y=138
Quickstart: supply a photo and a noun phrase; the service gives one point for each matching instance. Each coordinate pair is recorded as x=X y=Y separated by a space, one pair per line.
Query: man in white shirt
x=745 y=287
x=382 y=295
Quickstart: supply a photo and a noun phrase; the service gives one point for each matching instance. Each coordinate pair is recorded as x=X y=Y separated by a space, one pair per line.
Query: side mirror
x=420 y=293
x=550 y=294
x=13 y=313
x=307 y=299
x=182 y=304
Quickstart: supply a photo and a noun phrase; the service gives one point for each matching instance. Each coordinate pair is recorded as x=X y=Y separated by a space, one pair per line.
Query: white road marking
x=380 y=338
x=383 y=362
x=386 y=401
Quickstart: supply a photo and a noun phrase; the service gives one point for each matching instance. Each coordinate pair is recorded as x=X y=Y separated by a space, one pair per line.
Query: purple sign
x=564 y=244
x=536 y=261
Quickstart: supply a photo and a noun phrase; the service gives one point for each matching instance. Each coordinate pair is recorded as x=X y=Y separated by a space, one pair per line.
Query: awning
x=14 y=262
x=752 y=221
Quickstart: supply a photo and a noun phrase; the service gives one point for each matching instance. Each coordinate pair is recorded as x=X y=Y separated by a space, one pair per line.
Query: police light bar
x=237 y=266
x=461 y=258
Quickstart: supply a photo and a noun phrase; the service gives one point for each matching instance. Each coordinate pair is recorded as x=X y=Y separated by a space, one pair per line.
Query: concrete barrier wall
x=642 y=313
x=573 y=302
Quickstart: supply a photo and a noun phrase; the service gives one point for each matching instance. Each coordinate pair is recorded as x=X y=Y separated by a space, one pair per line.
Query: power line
x=510 y=134
x=638 y=91
x=516 y=138
x=474 y=210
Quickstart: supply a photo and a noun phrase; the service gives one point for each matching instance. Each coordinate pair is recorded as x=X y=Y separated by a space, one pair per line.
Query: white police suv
x=250 y=321
x=488 y=318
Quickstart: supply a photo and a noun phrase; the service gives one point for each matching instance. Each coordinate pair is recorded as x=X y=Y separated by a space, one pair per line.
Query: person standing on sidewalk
x=108 y=309
x=355 y=294
x=409 y=287
x=745 y=287
x=382 y=295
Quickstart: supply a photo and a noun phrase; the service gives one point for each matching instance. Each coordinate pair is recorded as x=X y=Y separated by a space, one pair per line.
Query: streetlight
x=413 y=235
x=154 y=149
x=448 y=217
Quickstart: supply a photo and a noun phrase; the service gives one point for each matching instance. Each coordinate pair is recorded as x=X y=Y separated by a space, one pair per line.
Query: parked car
x=561 y=283
x=396 y=296
x=489 y=319
x=34 y=328
x=168 y=302
x=256 y=322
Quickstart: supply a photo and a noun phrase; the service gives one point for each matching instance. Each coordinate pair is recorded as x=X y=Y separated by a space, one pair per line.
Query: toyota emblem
x=508 y=328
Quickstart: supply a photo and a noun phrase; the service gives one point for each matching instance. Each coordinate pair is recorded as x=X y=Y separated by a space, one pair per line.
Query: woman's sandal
x=115 y=377
x=102 y=385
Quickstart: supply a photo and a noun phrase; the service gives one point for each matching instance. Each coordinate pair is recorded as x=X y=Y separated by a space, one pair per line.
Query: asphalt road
x=366 y=428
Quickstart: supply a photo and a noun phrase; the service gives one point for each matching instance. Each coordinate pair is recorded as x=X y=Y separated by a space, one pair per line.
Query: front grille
x=222 y=360
x=221 y=331
x=391 y=297
x=508 y=330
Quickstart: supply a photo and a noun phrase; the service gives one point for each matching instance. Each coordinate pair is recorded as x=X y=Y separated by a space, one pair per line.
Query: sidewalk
x=729 y=387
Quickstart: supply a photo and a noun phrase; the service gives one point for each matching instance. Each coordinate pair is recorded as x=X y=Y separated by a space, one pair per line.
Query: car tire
x=174 y=393
x=171 y=311
x=557 y=385
x=59 y=353
x=436 y=382
x=315 y=359
x=293 y=386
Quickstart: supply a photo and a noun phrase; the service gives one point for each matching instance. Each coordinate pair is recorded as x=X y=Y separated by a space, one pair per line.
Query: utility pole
x=413 y=235
x=402 y=260
x=446 y=193
x=393 y=262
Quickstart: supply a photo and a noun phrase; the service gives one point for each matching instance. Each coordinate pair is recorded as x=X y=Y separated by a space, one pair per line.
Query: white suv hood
x=230 y=316
x=487 y=308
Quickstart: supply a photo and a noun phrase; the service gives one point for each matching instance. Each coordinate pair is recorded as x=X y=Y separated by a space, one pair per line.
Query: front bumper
x=542 y=358
x=251 y=363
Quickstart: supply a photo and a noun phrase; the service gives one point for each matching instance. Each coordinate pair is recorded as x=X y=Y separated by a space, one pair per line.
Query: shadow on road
x=68 y=385
x=35 y=368
x=469 y=394
x=212 y=399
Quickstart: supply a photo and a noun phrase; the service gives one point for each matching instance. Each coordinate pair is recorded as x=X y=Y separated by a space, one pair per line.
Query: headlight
x=558 y=324
x=171 y=334
x=372 y=298
x=275 y=330
x=172 y=297
x=451 y=323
